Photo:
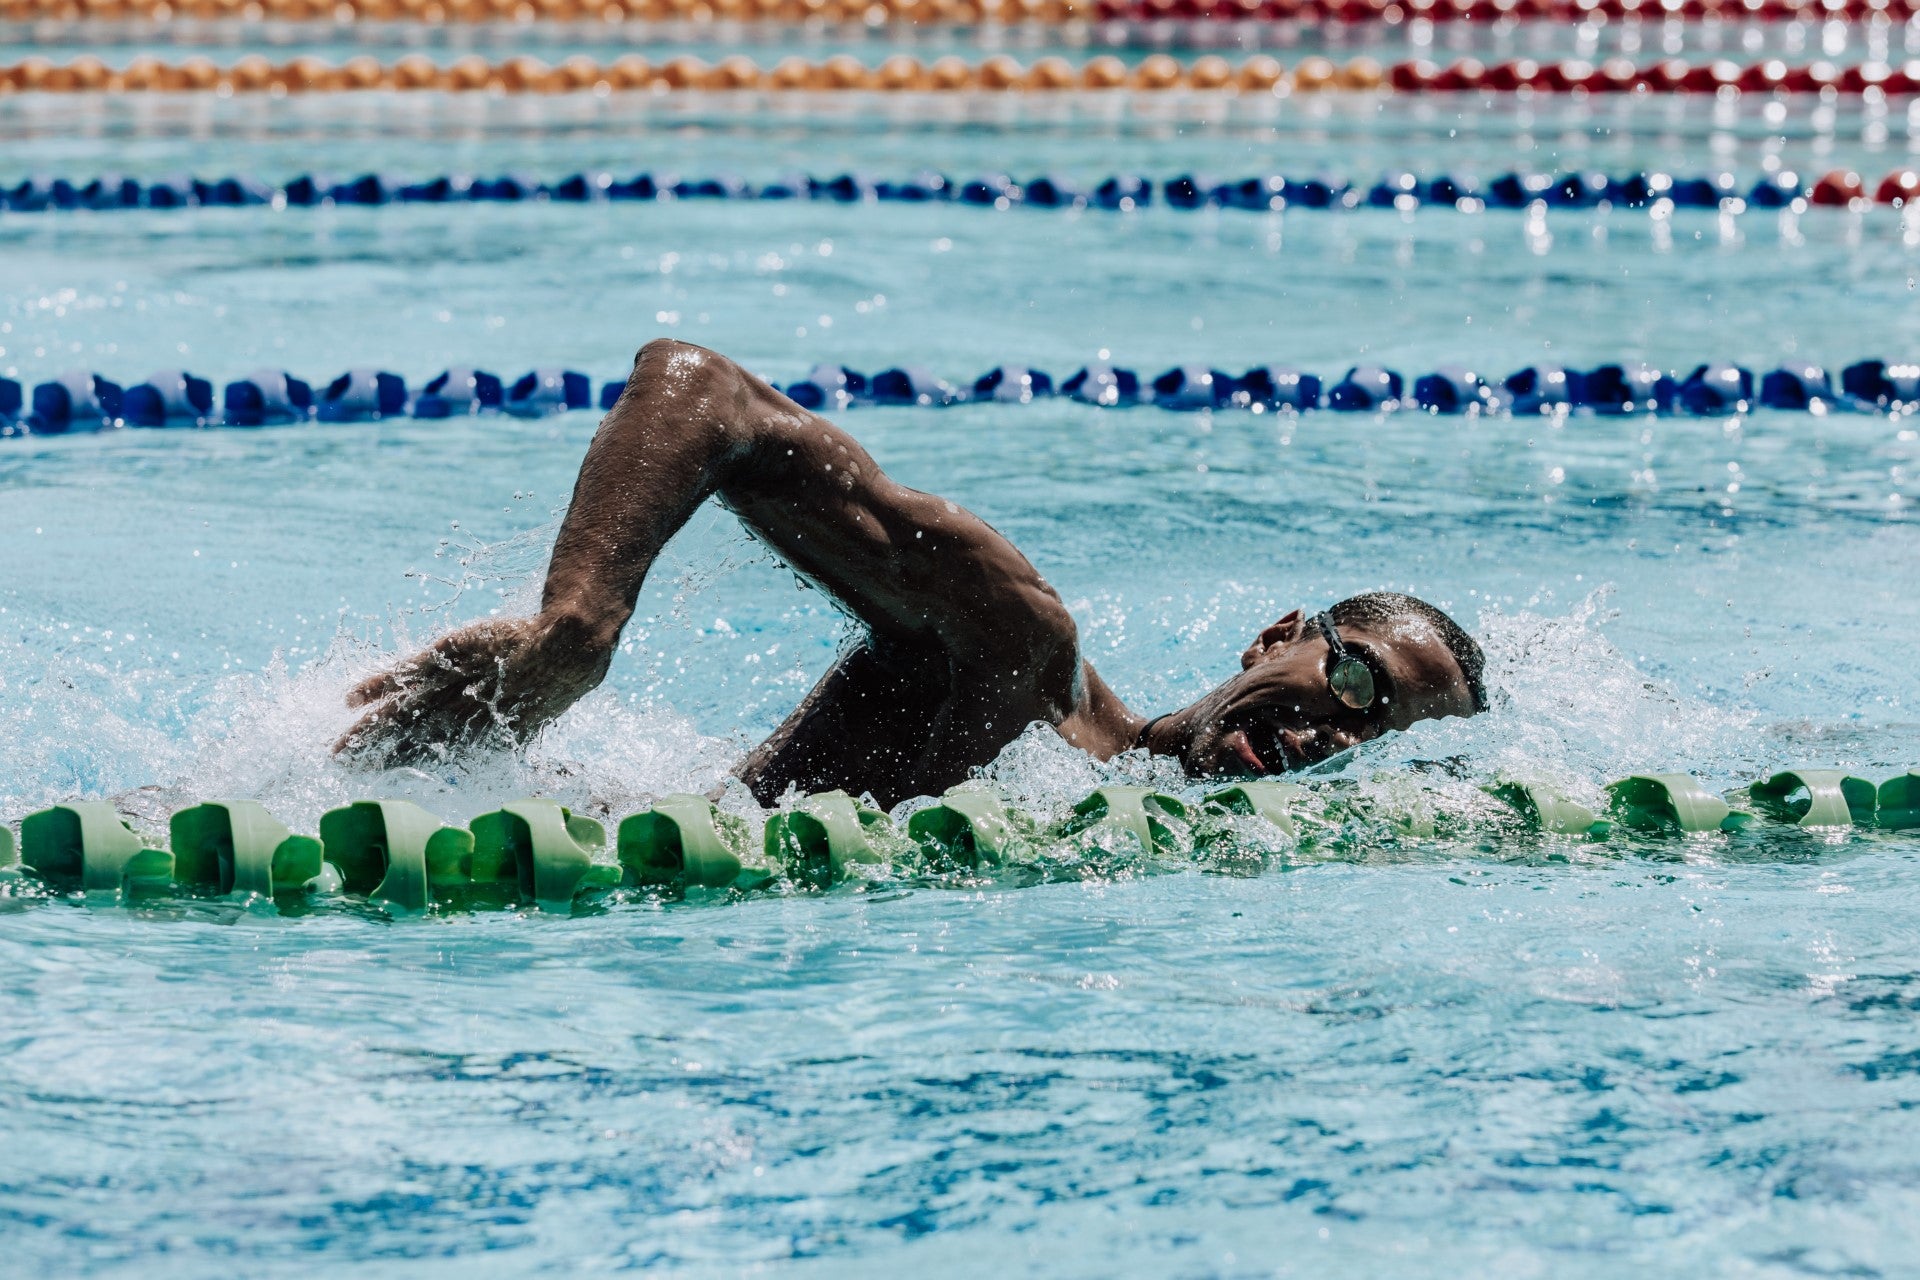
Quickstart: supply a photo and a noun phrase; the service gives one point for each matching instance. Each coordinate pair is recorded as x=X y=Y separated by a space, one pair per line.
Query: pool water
x=1480 y=1053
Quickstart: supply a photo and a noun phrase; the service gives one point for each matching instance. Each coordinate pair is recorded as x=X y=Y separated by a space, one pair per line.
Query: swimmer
x=965 y=644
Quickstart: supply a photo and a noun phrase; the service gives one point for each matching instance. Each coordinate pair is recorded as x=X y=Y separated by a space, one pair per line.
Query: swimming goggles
x=1350 y=679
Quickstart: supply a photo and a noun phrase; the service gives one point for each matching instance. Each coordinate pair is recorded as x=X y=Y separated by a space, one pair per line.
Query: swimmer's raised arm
x=924 y=575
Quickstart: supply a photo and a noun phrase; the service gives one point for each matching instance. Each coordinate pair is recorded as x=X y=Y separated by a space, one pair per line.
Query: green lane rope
x=683 y=840
x=1548 y=810
x=1156 y=821
x=539 y=854
x=238 y=847
x=967 y=830
x=1898 y=802
x=1273 y=802
x=87 y=841
x=1669 y=803
x=1816 y=798
x=544 y=851
x=826 y=837
x=393 y=851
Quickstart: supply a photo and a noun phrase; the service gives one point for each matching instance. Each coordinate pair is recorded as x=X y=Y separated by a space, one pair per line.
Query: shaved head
x=1380 y=611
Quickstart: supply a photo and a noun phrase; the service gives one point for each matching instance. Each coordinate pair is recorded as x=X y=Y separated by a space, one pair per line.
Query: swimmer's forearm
x=671 y=441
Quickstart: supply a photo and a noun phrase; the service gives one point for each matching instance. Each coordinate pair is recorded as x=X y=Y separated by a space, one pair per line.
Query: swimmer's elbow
x=1049 y=643
x=1056 y=624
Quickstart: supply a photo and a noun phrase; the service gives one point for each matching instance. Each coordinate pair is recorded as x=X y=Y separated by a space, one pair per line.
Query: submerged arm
x=919 y=571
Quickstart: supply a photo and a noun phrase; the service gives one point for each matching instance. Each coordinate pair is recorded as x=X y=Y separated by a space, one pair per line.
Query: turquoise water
x=1473 y=1054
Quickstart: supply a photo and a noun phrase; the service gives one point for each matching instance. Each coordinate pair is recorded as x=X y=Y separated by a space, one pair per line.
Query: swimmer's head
x=1302 y=695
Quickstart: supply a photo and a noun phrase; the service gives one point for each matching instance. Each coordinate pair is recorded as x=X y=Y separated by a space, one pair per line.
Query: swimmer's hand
x=504 y=678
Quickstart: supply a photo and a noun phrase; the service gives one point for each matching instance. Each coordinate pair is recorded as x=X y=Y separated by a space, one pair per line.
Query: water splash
x=1570 y=709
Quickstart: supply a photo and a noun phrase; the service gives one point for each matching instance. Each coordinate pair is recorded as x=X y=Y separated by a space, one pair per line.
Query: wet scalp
x=1377 y=610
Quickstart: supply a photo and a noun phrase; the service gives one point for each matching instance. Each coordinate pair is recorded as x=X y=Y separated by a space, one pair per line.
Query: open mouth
x=1243 y=747
x=1261 y=748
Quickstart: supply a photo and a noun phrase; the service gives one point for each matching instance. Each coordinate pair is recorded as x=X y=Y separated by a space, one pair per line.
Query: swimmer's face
x=1279 y=713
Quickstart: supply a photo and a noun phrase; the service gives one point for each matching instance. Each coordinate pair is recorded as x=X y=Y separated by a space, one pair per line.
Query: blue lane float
x=173 y=397
x=547 y=391
x=1119 y=193
x=1365 y=388
x=76 y=401
x=1012 y=384
x=81 y=400
x=362 y=395
x=460 y=391
x=264 y=396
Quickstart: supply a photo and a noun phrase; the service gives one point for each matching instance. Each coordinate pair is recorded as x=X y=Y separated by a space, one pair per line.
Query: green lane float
x=542 y=851
x=1408 y=813
x=1670 y=803
x=1276 y=802
x=1898 y=802
x=968 y=829
x=539 y=853
x=824 y=836
x=395 y=852
x=1156 y=820
x=236 y=846
x=683 y=840
x=1816 y=798
x=87 y=841
x=1549 y=810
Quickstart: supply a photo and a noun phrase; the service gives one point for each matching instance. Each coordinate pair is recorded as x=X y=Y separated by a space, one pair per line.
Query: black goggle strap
x=1350 y=679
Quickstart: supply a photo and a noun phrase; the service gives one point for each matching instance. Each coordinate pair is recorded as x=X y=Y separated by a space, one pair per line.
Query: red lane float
x=1898 y=188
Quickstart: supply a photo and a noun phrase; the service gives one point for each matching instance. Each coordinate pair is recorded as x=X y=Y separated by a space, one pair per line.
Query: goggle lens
x=1352 y=683
x=1350 y=679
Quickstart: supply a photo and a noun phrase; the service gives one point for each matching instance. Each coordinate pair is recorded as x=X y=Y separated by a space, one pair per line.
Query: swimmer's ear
x=1288 y=629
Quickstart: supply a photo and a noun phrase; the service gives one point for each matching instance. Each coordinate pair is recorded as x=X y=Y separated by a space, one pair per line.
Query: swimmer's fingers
x=375 y=688
x=382 y=735
x=449 y=696
x=450 y=654
x=398 y=678
x=419 y=723
x=421 y=701
x=358 y=744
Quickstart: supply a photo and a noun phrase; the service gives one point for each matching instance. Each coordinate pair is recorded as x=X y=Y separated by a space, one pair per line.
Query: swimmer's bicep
x=908 y=563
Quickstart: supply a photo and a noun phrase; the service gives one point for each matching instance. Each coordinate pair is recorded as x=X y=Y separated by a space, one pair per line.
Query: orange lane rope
x=951 y=12
x=255 y=74
x=1158 y=73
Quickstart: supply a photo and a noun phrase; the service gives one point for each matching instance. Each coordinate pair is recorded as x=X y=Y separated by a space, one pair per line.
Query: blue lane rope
x=1118 y=193
x=85 y=401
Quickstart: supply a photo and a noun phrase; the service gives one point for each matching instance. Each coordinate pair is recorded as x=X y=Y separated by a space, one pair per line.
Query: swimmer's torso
x=900 y=721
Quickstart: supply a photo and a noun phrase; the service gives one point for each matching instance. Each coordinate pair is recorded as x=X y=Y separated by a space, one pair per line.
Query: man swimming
x=965 y=644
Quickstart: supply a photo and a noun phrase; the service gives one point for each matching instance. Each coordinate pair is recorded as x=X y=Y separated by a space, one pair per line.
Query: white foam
x=1569 y=708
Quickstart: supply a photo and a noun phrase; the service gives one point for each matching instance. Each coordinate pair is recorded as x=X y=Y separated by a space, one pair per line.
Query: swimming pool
x=1473 y=1053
